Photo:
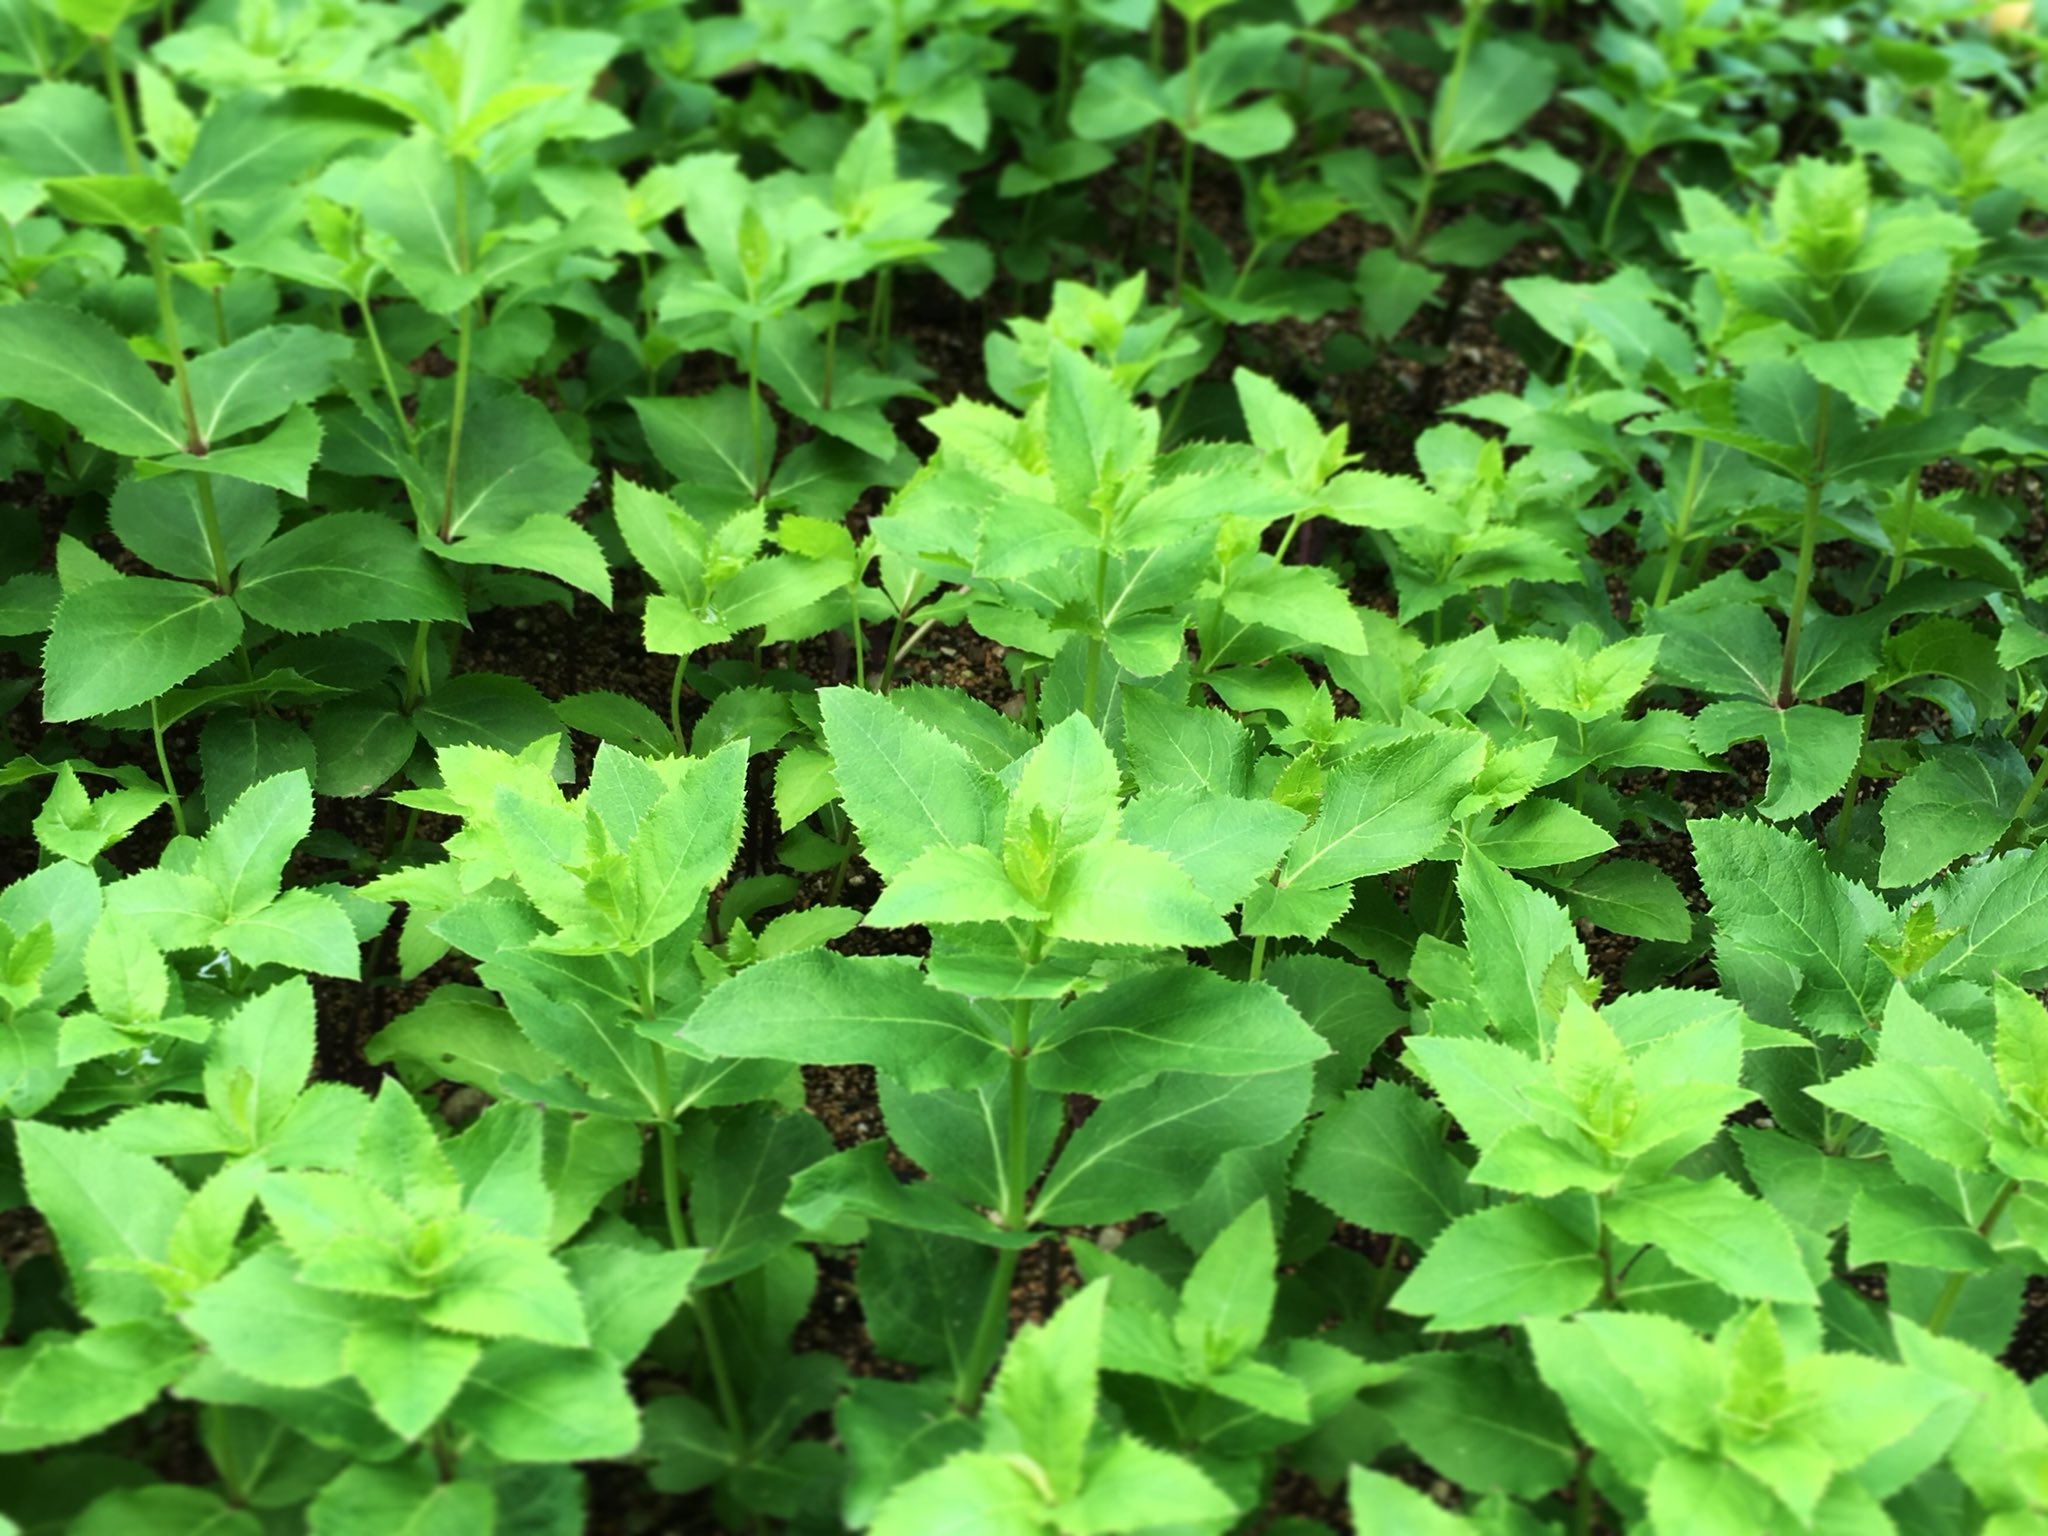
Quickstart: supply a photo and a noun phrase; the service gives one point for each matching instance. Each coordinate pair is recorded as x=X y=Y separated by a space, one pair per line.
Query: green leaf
x=2001 y=908
x=951 y=885
x=1519 y=938
x=1955 y=802
x=1909 y=1225
x=406 y=1498
x=1114 y=892
x=1384 y=807
x=905 y=786
x=1500 y=1266
x=1042 y=1404
x=1226 y=1303
x=817 y=1006
x=60 y=128
x=164 y=1508
x=261 y=1322
x=258 y=377
x=282 y=458
x=1392 y=1508
x=686 y=841
x=629 y=1294
x=1713 y=1230
x=1131 y=1478
x=1632 y=897
x=410 y=1371
x=1870 y=370
x=119 y=643
x=1501 y=87
x=74 y=366
x=138 y=203
x=1542 y=832
x=1726 y=648
x=1813 y=750
x=528 y=1402
x=101 y=1203
x=1791 y=939
x=1151 y=1149
x=971 y=1494
x=1379 y=1161
x=344 y=568
x=1181 y=1019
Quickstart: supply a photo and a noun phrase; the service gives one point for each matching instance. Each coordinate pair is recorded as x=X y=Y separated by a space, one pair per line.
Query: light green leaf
x=1500 y=1266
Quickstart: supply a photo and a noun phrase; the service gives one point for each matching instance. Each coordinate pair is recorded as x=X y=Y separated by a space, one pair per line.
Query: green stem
x=463 y=329
x=878 y=310
x=1582 y=1496
x=1063 y=67
x=675 y=705
x=384 y=367
x=209 y=520
x=1468 y=33
x=1945 y=1303
x=416 y=668
x=679 y=1225
x=995 y=1311
x=1089 y=687
x=163 y=766
x=831 y=345
x=860 y=639
x=1148 y=174
x=1383 y=1281
x=1682 y=527
x=1258 y=955
x=754 y=449
x=1621 y=186
x=1937 y=343
x=1183 y=201
x=1809 y=537
x=2036 y=731
x=117 y=96
x=462 y=335
x=1187 y=158
x=2018 y=823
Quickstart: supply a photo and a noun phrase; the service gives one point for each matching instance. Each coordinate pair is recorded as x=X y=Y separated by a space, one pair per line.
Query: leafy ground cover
x=1085 y=766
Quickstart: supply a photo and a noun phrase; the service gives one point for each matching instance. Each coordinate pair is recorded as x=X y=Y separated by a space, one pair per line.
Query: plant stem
x=1945 y=1303
x=1258 y=955
x=1582 y=1496
x=1468 y=33
x=1383 y=1281
x=2019 y=812
x=1089 y=687
x=754 y=449
x=679 y=1225
x=878 y=310
x=831 y=345
x=1937 y=341
x=384 y=367
x=1809 y=536
x=1187 y=158
x=463 y=328
x=209 y=520
x=163 y=765
x=1621 y=186
x=1149 y=171
x=462 y=334
x=995 y=1311
x=1682 y=526
x=416 y=668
